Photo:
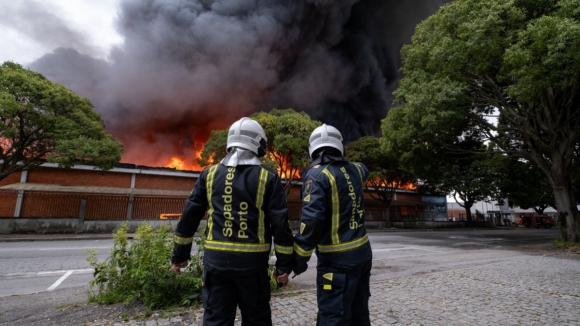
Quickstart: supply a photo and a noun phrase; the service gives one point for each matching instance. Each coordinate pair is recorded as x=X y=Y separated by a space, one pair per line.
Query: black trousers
x=343 y=295
x=222 y=293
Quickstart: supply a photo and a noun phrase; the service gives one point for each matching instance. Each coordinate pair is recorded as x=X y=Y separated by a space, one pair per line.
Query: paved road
x=30 y=267
x=467 y=277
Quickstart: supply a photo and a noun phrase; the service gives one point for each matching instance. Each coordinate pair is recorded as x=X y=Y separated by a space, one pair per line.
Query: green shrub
x=141 y=270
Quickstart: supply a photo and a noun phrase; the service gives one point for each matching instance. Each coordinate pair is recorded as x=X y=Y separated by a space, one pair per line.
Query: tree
x=288 y=132
x=214 y=149
x=524 y=184
x=43 y=121
x=469 y=178
x=385 y=175
x=517 y=60
x=287 y=148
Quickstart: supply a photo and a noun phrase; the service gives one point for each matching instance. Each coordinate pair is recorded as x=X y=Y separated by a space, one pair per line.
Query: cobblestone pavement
x=528 y=290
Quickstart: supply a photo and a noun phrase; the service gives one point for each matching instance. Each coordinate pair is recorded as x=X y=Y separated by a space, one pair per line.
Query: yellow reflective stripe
x=259 y=202
x=359 y=173
x=302 y=252
x=209 y=186
x=237 y=246
x=182 y=240
x=283 y=249
x=343 y=246
x=335 y=217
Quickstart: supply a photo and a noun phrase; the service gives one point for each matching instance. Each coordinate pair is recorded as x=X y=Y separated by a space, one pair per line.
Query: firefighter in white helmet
x=333 y=224
x=246 y=207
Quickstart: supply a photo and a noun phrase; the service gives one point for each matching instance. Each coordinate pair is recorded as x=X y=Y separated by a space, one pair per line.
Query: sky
x=31 y=28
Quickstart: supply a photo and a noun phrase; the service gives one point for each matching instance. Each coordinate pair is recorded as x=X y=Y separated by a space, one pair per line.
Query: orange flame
x=176 y=163
x=186 y=163
x=4 y=144
x=285 y=169
x=380 y=183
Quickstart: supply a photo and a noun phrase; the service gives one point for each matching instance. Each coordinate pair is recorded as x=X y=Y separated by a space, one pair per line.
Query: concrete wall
x=70 y=225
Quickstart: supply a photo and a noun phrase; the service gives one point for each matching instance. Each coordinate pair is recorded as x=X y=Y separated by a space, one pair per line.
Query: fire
x=284 y=168
x=181 y=163
x=5 y=144
x=378 y=183
x=408 y=186
x=176 y=163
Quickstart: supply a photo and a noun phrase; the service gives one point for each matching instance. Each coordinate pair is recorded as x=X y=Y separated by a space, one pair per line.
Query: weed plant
x=140 y=270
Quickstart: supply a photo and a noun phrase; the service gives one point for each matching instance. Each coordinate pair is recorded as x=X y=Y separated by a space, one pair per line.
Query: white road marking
x=45 y=249
x=406 y=248
x=60 y=280
x=77 y=248
x=78 y=271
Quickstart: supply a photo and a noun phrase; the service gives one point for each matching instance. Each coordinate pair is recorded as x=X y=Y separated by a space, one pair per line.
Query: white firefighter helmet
x=325 y=136
x=247 y=133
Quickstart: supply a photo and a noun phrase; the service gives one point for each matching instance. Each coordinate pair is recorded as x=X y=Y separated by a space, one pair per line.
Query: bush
x=141 y=270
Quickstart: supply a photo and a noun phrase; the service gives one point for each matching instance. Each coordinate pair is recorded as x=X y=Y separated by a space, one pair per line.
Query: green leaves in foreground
x=140 y=270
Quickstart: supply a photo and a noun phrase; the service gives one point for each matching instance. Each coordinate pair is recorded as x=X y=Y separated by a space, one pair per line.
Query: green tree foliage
x=385 y=175
x=214 y=149
x=518 y=60
x=469 y=178
x=287 y=132
x=524 y=184
x=140 y=270
x=43 y=121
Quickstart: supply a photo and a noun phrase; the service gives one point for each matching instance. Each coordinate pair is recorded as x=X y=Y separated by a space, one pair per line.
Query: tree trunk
x=468 y=212
x=568 y=216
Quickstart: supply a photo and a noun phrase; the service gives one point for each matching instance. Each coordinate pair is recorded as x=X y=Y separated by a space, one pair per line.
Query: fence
x=8 y=202
x=97 y=206
x=134 y=207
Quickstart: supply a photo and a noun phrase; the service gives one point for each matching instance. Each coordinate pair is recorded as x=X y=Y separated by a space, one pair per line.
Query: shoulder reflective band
x=260 y=201
x=346 y=246
x=209 y=187
x=283 y=249
x=182 y=240
x=335 y=208
x=302 y=252
x=237 y=246
x=359 y=173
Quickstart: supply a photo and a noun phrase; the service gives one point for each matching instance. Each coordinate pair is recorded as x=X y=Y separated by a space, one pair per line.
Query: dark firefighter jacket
x=246 y=207
x=332 y=220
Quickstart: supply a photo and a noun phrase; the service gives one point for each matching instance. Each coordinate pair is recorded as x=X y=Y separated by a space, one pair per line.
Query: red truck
x=536 y=221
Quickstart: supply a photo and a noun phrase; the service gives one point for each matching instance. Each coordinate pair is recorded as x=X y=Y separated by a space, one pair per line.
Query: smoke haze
x=187 y=67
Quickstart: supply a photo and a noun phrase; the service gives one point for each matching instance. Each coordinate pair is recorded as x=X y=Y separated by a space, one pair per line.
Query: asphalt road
x=45 y=266
x=37 y=266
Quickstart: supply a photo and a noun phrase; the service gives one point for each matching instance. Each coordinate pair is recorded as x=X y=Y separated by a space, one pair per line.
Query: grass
x=568 y=246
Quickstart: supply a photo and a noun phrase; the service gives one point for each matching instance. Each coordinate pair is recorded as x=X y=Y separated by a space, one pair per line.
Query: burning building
x=188 y=67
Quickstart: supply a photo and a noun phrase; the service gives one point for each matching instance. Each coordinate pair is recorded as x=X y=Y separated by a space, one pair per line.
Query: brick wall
x=146 y=181
x=7 y=203
x=75 y=177
x=44 y=204
x=10 y=179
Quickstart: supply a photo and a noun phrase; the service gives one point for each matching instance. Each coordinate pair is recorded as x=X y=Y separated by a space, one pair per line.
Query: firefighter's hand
x=177 y=267
x=281 y=278
x=299 y=269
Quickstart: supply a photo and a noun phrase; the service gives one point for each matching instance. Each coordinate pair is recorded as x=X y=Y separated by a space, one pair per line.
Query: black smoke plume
x=187 y=67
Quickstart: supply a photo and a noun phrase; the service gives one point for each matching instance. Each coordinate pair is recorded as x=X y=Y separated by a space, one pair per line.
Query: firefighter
x=333 y=224
x=246 y=207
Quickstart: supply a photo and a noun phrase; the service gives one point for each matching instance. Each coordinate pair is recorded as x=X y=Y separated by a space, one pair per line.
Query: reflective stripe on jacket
x=332 y=221
x=246 y=208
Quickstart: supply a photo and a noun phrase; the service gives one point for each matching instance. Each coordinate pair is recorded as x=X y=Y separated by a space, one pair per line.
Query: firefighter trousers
x=343 y=295
x=221 y=294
